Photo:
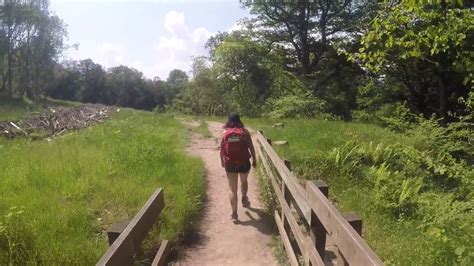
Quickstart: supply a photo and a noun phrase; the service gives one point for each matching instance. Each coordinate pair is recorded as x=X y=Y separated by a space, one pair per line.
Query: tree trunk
x=9 y=73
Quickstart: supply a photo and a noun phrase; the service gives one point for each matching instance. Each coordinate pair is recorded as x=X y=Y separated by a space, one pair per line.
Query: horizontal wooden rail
x=122 y=250
x=296 y=190
x=319 y=218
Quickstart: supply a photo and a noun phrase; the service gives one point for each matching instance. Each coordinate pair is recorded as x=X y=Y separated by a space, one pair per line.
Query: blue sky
x=152 y=36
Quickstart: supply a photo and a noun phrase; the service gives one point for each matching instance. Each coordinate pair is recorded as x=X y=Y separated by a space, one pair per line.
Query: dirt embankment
x=55 y=121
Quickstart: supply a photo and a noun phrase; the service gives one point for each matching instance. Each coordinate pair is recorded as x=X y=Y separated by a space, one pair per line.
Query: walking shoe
x=234 y=217
x=245 y=201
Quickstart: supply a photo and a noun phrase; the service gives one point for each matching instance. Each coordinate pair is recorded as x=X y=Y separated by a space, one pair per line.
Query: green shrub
x=428 y=185
x=299 y=106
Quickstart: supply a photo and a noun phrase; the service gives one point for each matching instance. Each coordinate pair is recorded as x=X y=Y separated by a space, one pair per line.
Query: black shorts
x=238 y=168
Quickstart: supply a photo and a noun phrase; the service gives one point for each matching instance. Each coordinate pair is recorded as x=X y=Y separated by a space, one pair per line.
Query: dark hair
x=234 y=121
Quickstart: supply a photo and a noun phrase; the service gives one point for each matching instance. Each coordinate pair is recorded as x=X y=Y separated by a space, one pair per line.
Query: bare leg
x=244 y=185
x=233 y=183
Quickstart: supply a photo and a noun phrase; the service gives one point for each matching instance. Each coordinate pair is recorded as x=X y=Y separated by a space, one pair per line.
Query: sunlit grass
x=203 y=129
x=67 y=192
x=396 y=242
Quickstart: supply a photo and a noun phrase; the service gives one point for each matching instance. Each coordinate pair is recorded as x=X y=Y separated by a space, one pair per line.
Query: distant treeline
x=333 y=59
x=86 y=81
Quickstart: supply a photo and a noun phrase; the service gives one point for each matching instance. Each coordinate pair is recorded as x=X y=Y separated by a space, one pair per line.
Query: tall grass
x=397 y=239
x=58 y=198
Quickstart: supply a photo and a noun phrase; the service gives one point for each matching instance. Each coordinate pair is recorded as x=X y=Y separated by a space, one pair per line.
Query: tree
x=125 y=86
x=304 y=28
x=67 y=82
x=245 y=66
x=30 y=41
x=205 y=94
x=427 y=48
x=176 y=82
x=93 y=81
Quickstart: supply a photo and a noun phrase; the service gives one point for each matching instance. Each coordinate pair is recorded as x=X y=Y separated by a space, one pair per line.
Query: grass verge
x=397 y=240
x=58 y=198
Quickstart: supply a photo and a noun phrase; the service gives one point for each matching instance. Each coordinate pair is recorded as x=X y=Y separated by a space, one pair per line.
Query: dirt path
x=220 y=241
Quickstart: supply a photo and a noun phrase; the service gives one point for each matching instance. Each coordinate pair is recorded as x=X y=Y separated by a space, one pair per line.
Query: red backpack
x=234 y=147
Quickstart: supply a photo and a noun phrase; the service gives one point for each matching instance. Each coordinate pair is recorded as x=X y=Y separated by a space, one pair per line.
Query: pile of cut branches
x=55 y=121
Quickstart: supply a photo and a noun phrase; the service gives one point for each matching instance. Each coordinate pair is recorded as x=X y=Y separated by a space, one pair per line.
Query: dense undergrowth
x=413 y=188
x=58 y=198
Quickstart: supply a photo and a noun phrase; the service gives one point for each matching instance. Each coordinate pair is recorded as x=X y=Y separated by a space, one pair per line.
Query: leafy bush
x=395 y=116
x=428 y=185
x=299 y=106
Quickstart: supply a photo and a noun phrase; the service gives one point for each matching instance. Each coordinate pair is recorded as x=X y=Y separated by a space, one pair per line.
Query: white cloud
x=179 y=45
x=173 y=50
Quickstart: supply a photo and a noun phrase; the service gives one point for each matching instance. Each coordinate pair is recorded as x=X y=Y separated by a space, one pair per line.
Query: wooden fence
x=311 y=228
x=130 y=238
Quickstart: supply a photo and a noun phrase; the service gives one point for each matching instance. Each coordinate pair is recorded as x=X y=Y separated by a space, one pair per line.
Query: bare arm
x=252 y=152
x=222 y=153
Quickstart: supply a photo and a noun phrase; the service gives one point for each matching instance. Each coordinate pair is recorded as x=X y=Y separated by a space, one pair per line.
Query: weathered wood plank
x=114 y=232
x=354 y=220
x=351 y=245
x=322 y=186
x=319 y=213
x=297 y=191
x=304 y=241
x=318 y=232
x=119 y=253
x=286 y=241
x=122 y=250
x=146 y=217
x=162 y=254
x=287 y=164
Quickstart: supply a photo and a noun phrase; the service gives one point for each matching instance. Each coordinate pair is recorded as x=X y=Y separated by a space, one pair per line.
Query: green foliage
x=86 y=81
x=31 y=41
x=244 y=66
x=435 y=32
x=299 y=106
x=72 y=189
x=204 y=95
x=427 y=49
x=412 y=188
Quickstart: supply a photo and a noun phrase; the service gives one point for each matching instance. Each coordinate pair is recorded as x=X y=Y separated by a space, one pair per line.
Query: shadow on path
x=260 y=222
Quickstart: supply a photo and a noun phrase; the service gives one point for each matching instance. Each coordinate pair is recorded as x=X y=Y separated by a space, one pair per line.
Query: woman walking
x=236 y=151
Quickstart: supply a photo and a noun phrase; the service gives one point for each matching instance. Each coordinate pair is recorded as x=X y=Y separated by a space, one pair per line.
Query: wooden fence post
x=114 y=232
x=355 y=221
x=317 y=230
x=287 y=163
x=323 y=187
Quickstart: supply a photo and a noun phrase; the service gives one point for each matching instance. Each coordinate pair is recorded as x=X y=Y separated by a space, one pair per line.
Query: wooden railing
x=306 y=218
x=132 y=234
